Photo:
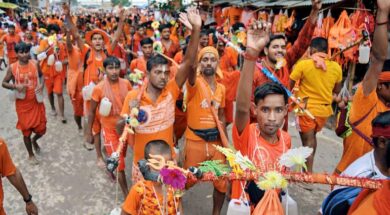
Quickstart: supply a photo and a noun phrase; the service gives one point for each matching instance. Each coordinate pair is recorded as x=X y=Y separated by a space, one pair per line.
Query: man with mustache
x=204 y=93
x=279 y=60
x=263 y=141
x=158 y=100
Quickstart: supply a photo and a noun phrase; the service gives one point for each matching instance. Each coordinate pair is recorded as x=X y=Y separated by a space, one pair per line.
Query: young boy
x=146 y=196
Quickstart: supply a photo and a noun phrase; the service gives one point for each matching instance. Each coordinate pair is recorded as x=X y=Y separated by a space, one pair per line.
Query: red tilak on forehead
x=381 y=132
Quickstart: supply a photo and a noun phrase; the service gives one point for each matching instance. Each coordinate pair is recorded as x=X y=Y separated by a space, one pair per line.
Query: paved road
x=68 y=182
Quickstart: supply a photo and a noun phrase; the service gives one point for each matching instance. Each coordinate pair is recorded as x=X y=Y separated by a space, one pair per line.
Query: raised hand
x=183 y=18
x=316 y=5
x=194 y=17
x=258 y=35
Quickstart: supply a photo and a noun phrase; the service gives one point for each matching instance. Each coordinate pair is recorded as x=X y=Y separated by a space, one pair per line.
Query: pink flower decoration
x=173 y=177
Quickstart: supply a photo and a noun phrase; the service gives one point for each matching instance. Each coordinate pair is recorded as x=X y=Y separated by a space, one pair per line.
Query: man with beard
x=203 y=91
x=115 y=90
x=158 y=100
x=170 y=47
x=27 y=81
x=93 y=57
x=263 y=141
x=279 y=60
x=147 y=51
x=10 y=40
x=372 y=95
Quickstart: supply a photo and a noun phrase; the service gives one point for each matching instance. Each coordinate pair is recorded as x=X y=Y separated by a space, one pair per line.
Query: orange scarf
x=116 y=99
x=92 y=67
x=384 y=76
x=381 y=199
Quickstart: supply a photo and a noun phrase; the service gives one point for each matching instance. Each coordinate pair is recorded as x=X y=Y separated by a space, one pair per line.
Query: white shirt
x=364 y=167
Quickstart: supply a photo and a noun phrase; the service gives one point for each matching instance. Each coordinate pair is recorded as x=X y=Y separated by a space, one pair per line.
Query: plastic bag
x=269 y=205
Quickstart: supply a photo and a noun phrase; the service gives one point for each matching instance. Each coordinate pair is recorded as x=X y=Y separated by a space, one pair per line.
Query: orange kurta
x=7 y=168
x=172 y=49
x=11 y=41
x=31 y=113
x=354 y=145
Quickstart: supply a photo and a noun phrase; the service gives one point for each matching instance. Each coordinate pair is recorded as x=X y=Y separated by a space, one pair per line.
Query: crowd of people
x=169 y=78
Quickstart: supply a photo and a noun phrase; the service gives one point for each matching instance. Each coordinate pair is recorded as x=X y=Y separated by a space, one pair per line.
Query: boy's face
x=271 y=112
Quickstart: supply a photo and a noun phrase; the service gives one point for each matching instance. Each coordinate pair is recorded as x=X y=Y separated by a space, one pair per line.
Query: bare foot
x=36 y=147
x=100 y=163
x=89 y=146
x=33 y=160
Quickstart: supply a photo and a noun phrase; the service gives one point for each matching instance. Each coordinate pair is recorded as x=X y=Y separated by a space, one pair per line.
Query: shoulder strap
x=222 y=134
x=86 y=57
x=358 y=122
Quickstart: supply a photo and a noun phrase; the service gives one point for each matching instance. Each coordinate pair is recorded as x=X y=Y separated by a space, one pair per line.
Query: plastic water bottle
x=58 y=66
x=289 y=204
x=87 y=91
x=42 y=56
x=364 y=54
x=105 y=107
x=238 y=207
x=50 y=60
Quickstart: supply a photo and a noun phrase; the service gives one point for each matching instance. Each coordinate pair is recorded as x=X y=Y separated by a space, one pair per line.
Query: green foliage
x=214 y=166
x=122 y=2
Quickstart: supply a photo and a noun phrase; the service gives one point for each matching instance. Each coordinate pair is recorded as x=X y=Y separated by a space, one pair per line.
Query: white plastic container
x=39 y=97
x=58 y=66
x=20 y=95
x=50 y=60
x=123 y=64
x=289 y=204
x=238 y=207
x=364 y=54
x=42 y=56
x=105 y=107
x=87 y=91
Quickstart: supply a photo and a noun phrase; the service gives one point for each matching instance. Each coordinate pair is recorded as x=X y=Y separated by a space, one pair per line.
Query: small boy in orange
x=146 y=196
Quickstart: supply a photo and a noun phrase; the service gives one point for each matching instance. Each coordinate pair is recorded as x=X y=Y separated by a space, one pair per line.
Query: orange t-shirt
x=198 y=112
x=263 y=154
x=229 y=59
x=11 y=41
x=139 y=63
x=7 y=168
x=142 y=200
x=118 y=92
x=160 y=117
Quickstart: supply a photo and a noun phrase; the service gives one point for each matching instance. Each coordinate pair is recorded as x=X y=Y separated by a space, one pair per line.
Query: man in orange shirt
x=28 y=84
x=170 y=47
x=2 y=33
x=93 y=56
x=159 y=98
x=114 y=90
x=74 y=80
x=203 y=91
x=54 y=78
x=147 y=50
x=10 y=40
x=8 y=169
x=263 y=142
x=372 y=95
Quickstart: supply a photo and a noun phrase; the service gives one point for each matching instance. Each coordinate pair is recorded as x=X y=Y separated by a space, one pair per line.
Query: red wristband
x=249 y=57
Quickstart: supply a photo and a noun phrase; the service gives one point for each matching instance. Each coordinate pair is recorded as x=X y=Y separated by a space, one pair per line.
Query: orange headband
x=384 y=76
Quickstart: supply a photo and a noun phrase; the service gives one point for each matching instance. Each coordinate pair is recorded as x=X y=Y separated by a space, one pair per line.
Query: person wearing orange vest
x=147 y=51
x=10 y=40
x=170 y=47
x=263 y=141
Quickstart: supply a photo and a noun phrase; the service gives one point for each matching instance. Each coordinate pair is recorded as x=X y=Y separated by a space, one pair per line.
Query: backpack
x=339 y=201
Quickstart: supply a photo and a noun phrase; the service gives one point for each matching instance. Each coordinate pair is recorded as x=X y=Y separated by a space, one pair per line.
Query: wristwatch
x=29 y=199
